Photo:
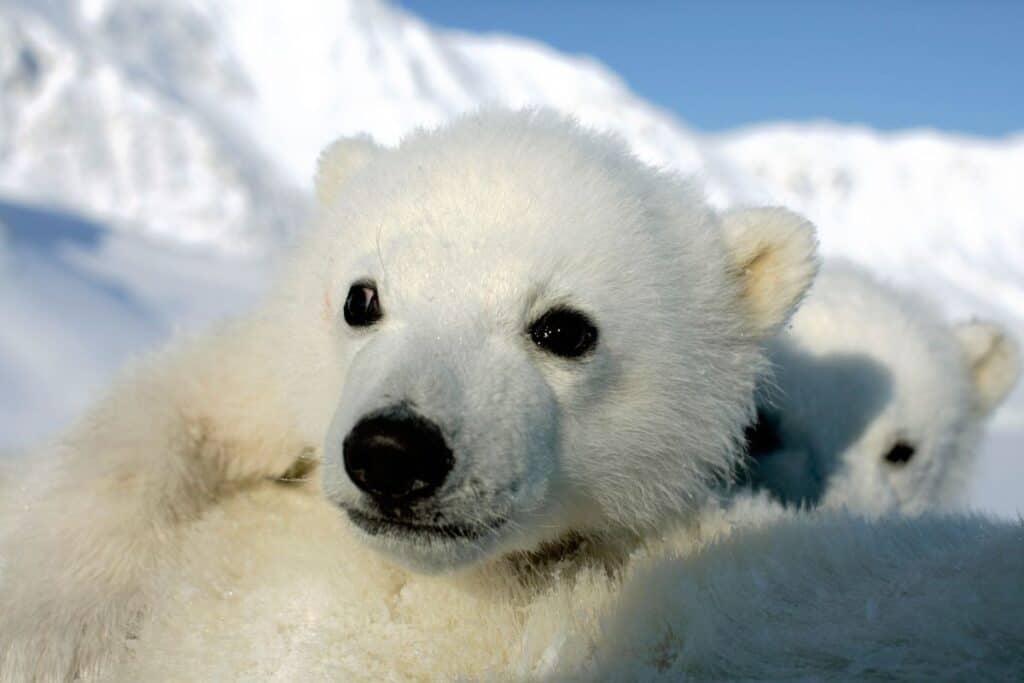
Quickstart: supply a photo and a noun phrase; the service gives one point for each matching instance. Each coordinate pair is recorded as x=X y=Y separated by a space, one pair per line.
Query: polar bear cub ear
x=339 y=161
x=774 y=252
x=993 y=360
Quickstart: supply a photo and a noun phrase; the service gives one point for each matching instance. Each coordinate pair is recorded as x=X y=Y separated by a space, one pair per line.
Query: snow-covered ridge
x=203 y=119
x=79 y=128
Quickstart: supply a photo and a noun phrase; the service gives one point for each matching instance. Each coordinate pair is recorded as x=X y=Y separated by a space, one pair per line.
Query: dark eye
x=564 y=332
x=900 y=454
x=362 y=306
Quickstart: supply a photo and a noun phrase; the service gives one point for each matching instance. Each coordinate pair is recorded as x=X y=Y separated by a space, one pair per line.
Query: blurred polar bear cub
x=876 y=403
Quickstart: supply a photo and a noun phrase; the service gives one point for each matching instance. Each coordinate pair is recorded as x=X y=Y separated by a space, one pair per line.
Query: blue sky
x=899 y=64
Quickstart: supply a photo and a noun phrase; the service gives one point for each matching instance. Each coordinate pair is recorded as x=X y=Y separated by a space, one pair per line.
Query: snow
x=155 y=155
x=79 y=300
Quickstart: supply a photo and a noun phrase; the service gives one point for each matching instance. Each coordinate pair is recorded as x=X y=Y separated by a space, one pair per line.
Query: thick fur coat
x=581 y=337
x=745 y=592
x=874 y=402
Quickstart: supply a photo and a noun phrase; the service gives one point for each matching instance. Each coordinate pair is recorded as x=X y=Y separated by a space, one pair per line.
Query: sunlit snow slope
x=184 y=132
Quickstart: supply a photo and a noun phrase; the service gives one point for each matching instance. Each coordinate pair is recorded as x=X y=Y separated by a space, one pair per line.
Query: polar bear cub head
x=513 y=332
x=878 y=403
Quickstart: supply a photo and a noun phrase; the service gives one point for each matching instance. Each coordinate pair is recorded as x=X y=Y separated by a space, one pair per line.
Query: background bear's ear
x=339 y=161
x=774 y=252
x=993 y=361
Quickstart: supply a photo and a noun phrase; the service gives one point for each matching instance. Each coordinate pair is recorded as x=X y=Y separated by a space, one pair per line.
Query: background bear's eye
x=900 y=454
x=362 y=305
x=564 y=332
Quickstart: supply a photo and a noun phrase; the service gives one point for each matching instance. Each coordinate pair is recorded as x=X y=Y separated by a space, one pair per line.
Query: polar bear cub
x=505 y=343
x=273 y=588
x=877 y=403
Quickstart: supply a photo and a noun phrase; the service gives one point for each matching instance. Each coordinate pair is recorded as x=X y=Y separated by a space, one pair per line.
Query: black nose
x=397 y=456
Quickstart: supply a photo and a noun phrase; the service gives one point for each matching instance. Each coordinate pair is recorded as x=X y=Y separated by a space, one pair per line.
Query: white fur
x=470 y=232
x=993 y=362
x=755 y=235
x=821 y=595
x=863 y=367
x=274 y=587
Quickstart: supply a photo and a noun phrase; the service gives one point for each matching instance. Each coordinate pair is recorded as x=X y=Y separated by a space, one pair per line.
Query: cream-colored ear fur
x=774 y=252
x=339 y=161
x=993 y=360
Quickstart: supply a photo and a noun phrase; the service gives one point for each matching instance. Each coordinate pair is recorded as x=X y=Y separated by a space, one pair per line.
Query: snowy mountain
x=181 y=116
x=80 y=128
x=195 y=122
